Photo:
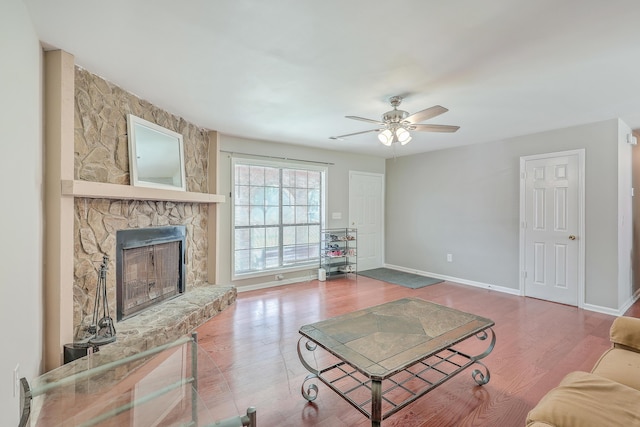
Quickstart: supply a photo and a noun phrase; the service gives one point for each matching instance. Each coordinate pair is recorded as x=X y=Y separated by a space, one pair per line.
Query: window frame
x=280 y=164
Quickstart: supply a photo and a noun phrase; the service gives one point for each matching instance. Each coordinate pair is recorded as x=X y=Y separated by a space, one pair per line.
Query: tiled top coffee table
x=382 y=358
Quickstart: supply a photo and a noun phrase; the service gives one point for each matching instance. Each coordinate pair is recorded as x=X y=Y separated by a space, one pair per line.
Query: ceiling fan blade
x=428 y=113
x=434 y=128
x=355 y=133
x=378 y=122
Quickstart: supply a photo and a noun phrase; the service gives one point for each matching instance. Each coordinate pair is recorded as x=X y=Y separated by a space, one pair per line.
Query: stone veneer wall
x=101 y=155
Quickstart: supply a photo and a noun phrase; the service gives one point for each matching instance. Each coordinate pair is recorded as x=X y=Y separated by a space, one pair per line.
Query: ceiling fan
x=396 y=125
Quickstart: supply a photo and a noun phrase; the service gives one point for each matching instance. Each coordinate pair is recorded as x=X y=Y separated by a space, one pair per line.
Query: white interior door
x=551 y=219
x=366 y=213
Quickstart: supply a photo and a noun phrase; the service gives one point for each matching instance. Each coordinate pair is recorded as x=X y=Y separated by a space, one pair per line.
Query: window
x=278 y=214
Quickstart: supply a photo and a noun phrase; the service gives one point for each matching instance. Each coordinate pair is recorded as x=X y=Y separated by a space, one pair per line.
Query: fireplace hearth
x=150 y=267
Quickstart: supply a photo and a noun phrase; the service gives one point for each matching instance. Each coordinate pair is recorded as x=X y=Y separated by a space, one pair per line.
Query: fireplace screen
x=149 y=274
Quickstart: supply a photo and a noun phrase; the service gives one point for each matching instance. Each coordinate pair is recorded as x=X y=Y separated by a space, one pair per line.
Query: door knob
x=572 y=237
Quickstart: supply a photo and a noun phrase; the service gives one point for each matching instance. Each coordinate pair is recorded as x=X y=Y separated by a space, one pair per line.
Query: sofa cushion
x=625 y=332
x=587 y=400
x=620 y=365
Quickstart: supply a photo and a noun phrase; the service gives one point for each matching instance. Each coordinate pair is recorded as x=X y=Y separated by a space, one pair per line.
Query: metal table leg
x=376 y=403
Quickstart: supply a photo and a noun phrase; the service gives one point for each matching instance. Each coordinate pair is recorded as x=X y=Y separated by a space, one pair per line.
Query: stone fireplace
x=88 y=199
x=99 y=224
x=140 y=235
x=149 y=267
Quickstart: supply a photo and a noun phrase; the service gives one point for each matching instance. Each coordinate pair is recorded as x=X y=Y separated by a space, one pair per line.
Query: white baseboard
x=276 y=283
x=629 y=303
x=589 y=307
x=473 y=283
x=503 y=289
x=601 y=309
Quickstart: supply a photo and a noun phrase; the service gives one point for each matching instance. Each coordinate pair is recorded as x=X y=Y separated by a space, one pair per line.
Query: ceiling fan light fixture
x=406 y=141
x=403 y=136
x=398 y=125
x=386 y=137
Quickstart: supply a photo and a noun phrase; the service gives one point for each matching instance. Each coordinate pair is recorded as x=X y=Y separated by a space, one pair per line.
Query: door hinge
x=523 y=175
x=524 y=274
x=524 y=224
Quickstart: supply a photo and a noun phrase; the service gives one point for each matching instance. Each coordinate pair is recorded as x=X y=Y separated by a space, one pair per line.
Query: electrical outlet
x=279 y=276
x=449 y=257
x=16 y=380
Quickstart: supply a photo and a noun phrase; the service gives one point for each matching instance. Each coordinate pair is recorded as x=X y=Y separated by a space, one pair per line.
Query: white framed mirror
x=156 y=155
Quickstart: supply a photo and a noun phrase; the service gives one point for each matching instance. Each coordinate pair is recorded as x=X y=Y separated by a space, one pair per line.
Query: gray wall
x=465 y=201
x=625 y=216
x=635 y=254
x=337 y=186
x=21 y=217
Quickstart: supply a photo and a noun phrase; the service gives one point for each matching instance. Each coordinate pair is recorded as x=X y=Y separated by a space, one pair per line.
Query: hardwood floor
x=538 y=342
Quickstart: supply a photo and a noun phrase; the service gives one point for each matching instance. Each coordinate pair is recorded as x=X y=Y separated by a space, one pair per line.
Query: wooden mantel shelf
x=101 y=190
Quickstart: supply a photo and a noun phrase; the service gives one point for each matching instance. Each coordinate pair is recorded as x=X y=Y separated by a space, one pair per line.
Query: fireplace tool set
x=102 y=328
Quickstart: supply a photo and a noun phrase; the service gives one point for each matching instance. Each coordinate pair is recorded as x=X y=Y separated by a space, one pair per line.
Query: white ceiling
x=290 y=70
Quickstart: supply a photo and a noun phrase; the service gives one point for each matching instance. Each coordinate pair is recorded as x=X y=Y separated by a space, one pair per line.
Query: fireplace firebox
x=150 y=267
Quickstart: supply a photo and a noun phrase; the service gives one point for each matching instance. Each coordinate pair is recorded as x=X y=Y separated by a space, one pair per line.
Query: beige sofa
x=608 y=396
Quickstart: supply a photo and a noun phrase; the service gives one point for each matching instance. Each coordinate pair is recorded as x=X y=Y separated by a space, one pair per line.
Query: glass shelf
x=173 y=384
